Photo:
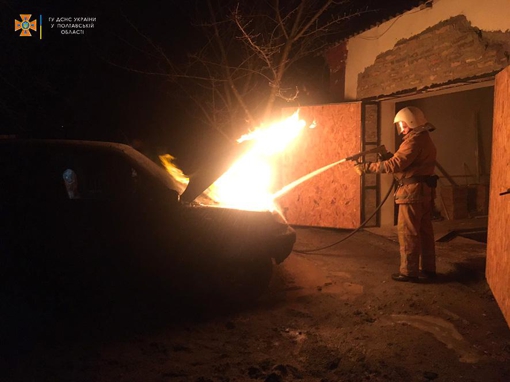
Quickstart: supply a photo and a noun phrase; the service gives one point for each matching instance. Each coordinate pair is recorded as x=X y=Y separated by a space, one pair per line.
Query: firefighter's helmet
x=413 y=118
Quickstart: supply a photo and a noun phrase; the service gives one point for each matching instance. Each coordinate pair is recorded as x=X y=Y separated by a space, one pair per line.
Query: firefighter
x=413 y=168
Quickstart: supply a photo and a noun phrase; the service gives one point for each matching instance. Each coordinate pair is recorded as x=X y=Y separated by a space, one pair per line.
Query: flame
x=175 y=172
x=249 y=182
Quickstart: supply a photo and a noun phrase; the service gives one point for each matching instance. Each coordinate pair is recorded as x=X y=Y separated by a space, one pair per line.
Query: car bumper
x=238 y=233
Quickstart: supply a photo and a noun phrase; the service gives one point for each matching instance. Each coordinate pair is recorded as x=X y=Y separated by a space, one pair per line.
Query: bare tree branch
x=247 y=63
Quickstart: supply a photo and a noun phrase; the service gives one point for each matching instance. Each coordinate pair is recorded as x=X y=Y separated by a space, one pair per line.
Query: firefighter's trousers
x=416 y=238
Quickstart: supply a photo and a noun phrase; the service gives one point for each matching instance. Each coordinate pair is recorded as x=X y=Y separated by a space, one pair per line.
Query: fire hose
x=379 y=150
x=311 y=251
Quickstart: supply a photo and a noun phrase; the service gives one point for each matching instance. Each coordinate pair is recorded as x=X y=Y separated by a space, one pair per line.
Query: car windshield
x=54 y=169
x=154 y=170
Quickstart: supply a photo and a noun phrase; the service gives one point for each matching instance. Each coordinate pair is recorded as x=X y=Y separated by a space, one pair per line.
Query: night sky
x=73 y=86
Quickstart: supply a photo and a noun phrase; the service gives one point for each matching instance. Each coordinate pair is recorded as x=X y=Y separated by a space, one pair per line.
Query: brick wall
x=450 y=51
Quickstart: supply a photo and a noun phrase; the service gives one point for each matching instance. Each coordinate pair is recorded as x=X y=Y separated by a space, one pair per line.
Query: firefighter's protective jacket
x=416 y=157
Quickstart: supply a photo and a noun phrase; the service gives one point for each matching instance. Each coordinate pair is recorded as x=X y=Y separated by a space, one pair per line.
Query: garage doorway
x=463 y=118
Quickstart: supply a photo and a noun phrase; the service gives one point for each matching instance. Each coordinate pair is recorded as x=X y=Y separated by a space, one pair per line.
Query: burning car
x=78 y=215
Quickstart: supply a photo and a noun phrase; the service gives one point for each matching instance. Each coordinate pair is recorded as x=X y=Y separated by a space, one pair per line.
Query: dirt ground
x=334 y=315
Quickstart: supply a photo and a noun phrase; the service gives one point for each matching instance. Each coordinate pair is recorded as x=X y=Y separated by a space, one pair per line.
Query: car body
x=76 y=215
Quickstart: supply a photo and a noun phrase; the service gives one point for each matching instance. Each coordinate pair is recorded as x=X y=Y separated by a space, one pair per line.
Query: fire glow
x=249 y=183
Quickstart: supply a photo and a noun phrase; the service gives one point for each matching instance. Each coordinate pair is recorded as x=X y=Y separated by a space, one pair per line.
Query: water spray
x=379 y=149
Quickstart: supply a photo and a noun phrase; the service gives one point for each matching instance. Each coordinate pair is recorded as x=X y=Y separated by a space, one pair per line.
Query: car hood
x=211 y=170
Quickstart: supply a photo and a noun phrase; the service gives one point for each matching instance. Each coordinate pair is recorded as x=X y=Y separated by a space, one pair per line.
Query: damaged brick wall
x=451 y=51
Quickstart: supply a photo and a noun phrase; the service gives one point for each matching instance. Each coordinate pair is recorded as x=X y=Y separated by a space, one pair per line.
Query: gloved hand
x=362 y=168
x=385 y=156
